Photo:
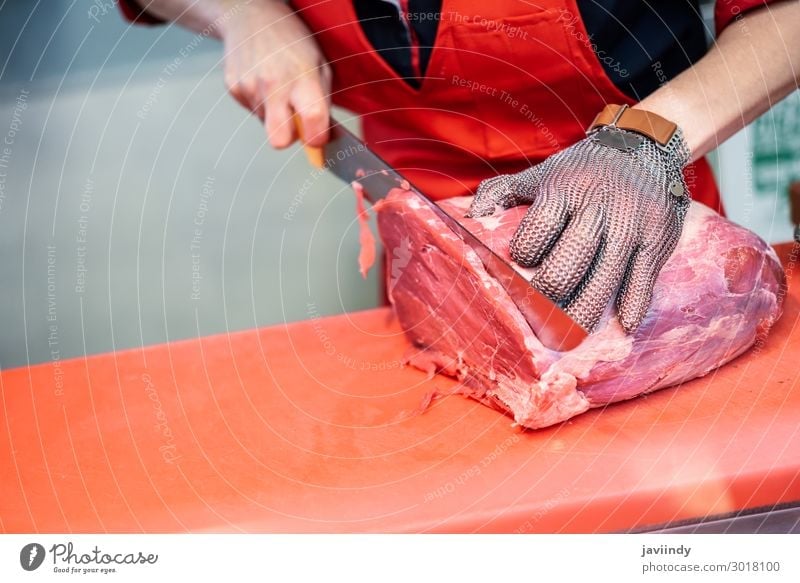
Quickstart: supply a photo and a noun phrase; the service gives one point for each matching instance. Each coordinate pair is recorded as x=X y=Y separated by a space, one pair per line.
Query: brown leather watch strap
x=644 y=122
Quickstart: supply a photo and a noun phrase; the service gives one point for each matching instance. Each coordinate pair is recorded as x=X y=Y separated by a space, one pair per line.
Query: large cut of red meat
x=719 y=294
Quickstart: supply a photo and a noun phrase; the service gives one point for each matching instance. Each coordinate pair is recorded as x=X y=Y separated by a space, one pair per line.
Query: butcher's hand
x=602 y=221
x=274 y=67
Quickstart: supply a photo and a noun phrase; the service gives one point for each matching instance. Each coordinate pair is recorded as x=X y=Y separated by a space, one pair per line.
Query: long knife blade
x=351 y=160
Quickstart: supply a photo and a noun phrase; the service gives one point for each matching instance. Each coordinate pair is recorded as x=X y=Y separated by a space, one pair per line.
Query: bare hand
x=274 y=68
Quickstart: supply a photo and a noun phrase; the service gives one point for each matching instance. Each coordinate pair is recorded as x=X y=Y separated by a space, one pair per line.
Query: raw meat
x=719 y=293
x=366 y=241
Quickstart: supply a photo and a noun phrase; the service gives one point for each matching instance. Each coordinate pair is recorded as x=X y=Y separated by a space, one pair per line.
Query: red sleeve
x=132 y=11
x=726 y=11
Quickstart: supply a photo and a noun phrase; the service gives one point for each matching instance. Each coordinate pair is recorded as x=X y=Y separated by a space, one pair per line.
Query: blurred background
x=140 y=204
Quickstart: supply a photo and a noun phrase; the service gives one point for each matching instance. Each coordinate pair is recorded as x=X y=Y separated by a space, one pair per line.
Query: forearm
x=754 y=64
x=197 y=15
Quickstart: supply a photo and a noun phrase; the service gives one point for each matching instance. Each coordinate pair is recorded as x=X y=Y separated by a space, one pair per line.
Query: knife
x=350 y=159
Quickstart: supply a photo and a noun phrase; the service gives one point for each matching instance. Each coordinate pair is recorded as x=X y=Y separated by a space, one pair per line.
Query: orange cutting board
x=316 y=426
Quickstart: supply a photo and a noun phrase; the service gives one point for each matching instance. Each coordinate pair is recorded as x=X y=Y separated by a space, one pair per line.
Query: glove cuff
x=647 y=123
x=677 y=148
x=667 y=136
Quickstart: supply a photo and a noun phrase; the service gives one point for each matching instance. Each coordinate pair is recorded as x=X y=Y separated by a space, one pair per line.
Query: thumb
x=312 y=104
x=505 y=191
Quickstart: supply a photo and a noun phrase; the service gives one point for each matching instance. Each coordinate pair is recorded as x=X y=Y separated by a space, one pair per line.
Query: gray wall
x=140 y=204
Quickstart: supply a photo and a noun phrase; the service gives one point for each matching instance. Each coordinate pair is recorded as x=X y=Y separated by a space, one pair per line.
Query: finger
x=238 y=94
x=538 y=230
x=595 y=292
x=493 y=193
x=280 y=126
x=636 y=292
x=245 y=91
x=309 y=100
x=259 y=107
x=505 y=191
x=566 y=264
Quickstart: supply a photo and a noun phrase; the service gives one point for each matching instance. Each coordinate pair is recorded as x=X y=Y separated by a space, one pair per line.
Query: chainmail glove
x=605 y=215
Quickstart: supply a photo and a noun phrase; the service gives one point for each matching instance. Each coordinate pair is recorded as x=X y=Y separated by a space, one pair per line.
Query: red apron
x=508 y=84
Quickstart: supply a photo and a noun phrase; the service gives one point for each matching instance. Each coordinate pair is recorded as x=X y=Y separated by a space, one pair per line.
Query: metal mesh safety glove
x=605 y=215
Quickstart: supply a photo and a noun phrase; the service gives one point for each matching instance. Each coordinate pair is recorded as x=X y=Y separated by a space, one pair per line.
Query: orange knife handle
x=314 y=154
